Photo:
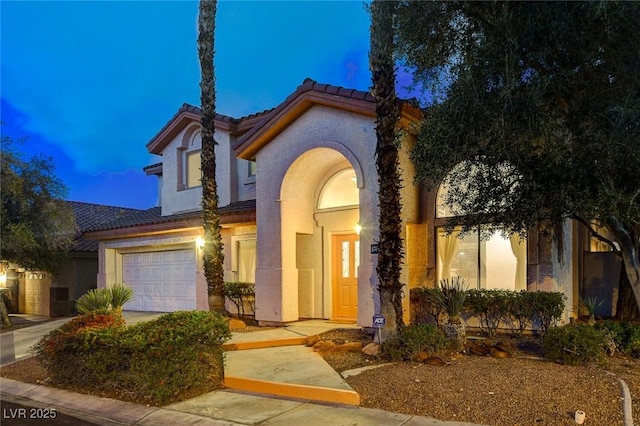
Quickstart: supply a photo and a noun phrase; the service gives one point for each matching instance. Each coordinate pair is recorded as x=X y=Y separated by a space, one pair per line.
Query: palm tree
x=213 y=256
x=387 y=114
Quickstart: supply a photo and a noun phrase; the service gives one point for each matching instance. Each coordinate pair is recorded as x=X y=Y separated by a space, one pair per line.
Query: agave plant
x=591 y=305
x=451 y=296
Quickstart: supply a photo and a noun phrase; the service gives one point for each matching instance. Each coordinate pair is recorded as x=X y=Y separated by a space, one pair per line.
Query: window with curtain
x=491 y=262
x=246 y=260
x=494 y=261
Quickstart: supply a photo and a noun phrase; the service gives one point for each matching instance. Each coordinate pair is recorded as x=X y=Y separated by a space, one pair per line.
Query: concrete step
x=285 y=369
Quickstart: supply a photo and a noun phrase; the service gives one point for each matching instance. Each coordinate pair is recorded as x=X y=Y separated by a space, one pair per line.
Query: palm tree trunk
x=387 y=114
x=213 y=255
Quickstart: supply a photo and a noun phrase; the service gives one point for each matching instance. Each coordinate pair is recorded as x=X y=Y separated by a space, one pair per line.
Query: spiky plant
x=451 y=296
x=97 y=300
x=591 y=305
x=120 y=294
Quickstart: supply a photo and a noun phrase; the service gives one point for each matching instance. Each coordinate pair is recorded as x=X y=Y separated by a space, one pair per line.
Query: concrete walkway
x=278 y=381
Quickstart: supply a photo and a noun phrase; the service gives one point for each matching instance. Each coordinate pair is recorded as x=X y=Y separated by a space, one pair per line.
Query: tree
x=387 y=114
x=537 y=118
x=213 y=255
x=37 y=226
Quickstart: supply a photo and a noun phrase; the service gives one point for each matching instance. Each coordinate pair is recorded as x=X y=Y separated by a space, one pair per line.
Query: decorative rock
x=506 y=347
x=236 y=324
x=497 y=353
x=421 y=356
x=324 y=346
x=372 y=349
x=478 y=349
x=456 y=355
x=434 y=360
x=349 y=347
x=312 y=340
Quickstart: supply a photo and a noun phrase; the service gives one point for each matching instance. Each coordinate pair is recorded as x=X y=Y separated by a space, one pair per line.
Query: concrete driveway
x=15 y=345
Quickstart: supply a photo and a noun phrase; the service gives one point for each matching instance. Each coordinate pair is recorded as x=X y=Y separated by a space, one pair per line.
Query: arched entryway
x=319 y=208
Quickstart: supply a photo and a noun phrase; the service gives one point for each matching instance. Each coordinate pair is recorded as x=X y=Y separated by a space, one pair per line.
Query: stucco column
x=276 y=276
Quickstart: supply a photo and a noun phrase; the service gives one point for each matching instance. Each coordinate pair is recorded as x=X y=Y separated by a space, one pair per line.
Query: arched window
x=340 y=190
x=189 y=173
x=490 y=260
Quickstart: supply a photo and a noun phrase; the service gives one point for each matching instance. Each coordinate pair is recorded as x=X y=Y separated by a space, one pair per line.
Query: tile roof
x=308 y=93
x=89 y=216
x=154 y=216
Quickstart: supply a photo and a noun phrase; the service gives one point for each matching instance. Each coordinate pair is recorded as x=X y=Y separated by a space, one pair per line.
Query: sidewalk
x=263 y=371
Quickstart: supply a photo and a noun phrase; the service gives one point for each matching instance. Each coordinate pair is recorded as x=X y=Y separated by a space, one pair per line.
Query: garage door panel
x=162 y=281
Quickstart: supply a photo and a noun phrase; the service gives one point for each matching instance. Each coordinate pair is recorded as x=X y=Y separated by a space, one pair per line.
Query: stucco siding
x=290 y=168
x=173 y=197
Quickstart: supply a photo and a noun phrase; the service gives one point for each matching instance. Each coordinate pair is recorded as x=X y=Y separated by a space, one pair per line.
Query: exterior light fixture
x=358 y=228
x=199 y=242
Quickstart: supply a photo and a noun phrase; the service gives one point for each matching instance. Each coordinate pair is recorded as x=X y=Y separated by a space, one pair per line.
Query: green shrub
x=413 y=340
x=519 y=312
x=394 y=350
x=574 y=344
x=424 y=337
x=58 y=349
x=151 y=362
x=239 y=294
x=547 y=307
x=625 y=335
x=490 y=306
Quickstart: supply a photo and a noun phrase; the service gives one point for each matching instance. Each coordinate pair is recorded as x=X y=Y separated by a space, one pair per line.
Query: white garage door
x=162 y=281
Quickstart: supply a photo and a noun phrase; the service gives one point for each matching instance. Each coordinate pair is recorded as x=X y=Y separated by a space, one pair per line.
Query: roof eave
x=186 y=114
x=170 y=131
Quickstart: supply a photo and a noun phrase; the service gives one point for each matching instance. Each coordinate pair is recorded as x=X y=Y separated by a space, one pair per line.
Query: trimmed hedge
x=516 y=310
x=154 y=362
x=490 y=306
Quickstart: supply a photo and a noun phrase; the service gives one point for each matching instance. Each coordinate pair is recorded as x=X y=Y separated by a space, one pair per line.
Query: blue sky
x=91 y=82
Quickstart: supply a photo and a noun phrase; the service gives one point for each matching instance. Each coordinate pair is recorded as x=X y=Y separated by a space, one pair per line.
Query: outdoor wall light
x=358 y=228
x=199 y=242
